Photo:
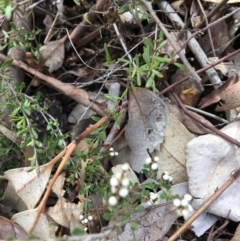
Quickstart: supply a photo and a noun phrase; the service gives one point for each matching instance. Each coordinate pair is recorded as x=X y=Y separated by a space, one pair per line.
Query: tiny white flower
x=123 y=192
x=111 y=149
x=184 y=202
x=179 y=212
x=90 y=217
x=85 y=220
x=177 y=202
x=114 y=190
x=112 y=201
x=185 y=212
x=156 y=158
x=118 y=175
x=187 y=197
x=148 y=160
x=114 y=181
x=153 y=195
x=165 y=177
x=149 y=203
x=81 y=217
x=154 y=166
x=125 y=182
x=115 y=153
x=125 y=167
x=111 y=153
x=190 y=208
x=85 y=229
x=170 y=179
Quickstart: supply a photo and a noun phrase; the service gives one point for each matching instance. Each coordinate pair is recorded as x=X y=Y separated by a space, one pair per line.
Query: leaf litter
x=199 y=161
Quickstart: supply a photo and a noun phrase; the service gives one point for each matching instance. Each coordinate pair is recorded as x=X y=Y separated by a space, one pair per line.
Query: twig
x=207 y=114
x=175 y=45
x=216 y=9
x=199 y=71
x=79 y=95
x=205 y=124
x=69 y=150
x=233 y=176
x=192 y=43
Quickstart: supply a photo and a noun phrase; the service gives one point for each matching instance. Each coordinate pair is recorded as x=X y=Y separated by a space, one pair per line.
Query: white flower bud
x=185 y=213
x=123 y=192
x=90 y=217
x=154 y=166
x=115 y=153
x=113 y=190
x=153 y=196
x=148 y=160
x=125 y=182
x=184 y=202
x=187 y=197
x=111 y=153
x=111 y=149
x=114 y=181
x=85 y=220
x=170 y=179
x=81 y=217
x=112 y=201
x=125 y=167
x=85 y=229
x=118 y=175
x=177 y=202
x=165 y=177
x=156 y=158
x=190 y=208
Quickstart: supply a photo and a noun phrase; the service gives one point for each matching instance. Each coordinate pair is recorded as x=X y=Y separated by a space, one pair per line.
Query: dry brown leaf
x=187 y=121
x=145 y=127
x=63 y=212
x=215 y=96
x=230 y=98
x=53 y=53
x=10 y=229
x=29 y=185
x=172 y=153
x=45 y=227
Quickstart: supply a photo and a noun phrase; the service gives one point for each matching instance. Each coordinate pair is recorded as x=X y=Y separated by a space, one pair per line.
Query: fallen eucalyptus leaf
x=210 y=160
x=145 y=128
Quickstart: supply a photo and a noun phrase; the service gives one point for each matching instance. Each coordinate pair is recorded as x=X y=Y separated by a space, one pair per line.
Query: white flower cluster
x=154 y=198
x=112 y=152
x=85 y=220
x=153 y=162
x=119 y=185
x=166 y=177
x=183 y=206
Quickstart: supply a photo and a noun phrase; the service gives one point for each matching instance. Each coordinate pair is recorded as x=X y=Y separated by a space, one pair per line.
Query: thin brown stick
x=199 y=71
x=79 y=95
x=205 y=124
x=70 y=148
x=175 y=45
x=233 y=176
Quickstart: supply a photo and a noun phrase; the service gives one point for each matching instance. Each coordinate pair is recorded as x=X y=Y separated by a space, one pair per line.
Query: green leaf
x=86 y=19
x=107 y=216
x=161 y=44
x=182 y=67
x=78 y=232
x=77 y=2
x=139 y=208
x=8 y=11
x=6 y=63
x=147 y=42
x=134 y=225
x=146 y=55
x=162 y=59
x=157 y=73
x=139 y=81
x=150 y=81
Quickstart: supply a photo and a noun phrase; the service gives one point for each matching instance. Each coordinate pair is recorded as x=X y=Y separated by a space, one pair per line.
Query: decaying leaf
x=145 y=127
x=188 y=122
x=45 y=227
x=29 y=185
x=230 y=98
x=215 y=96
x=210 y=160
x=172 y=153
x=53 y=53
x=63 y=212
x=10 y=229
